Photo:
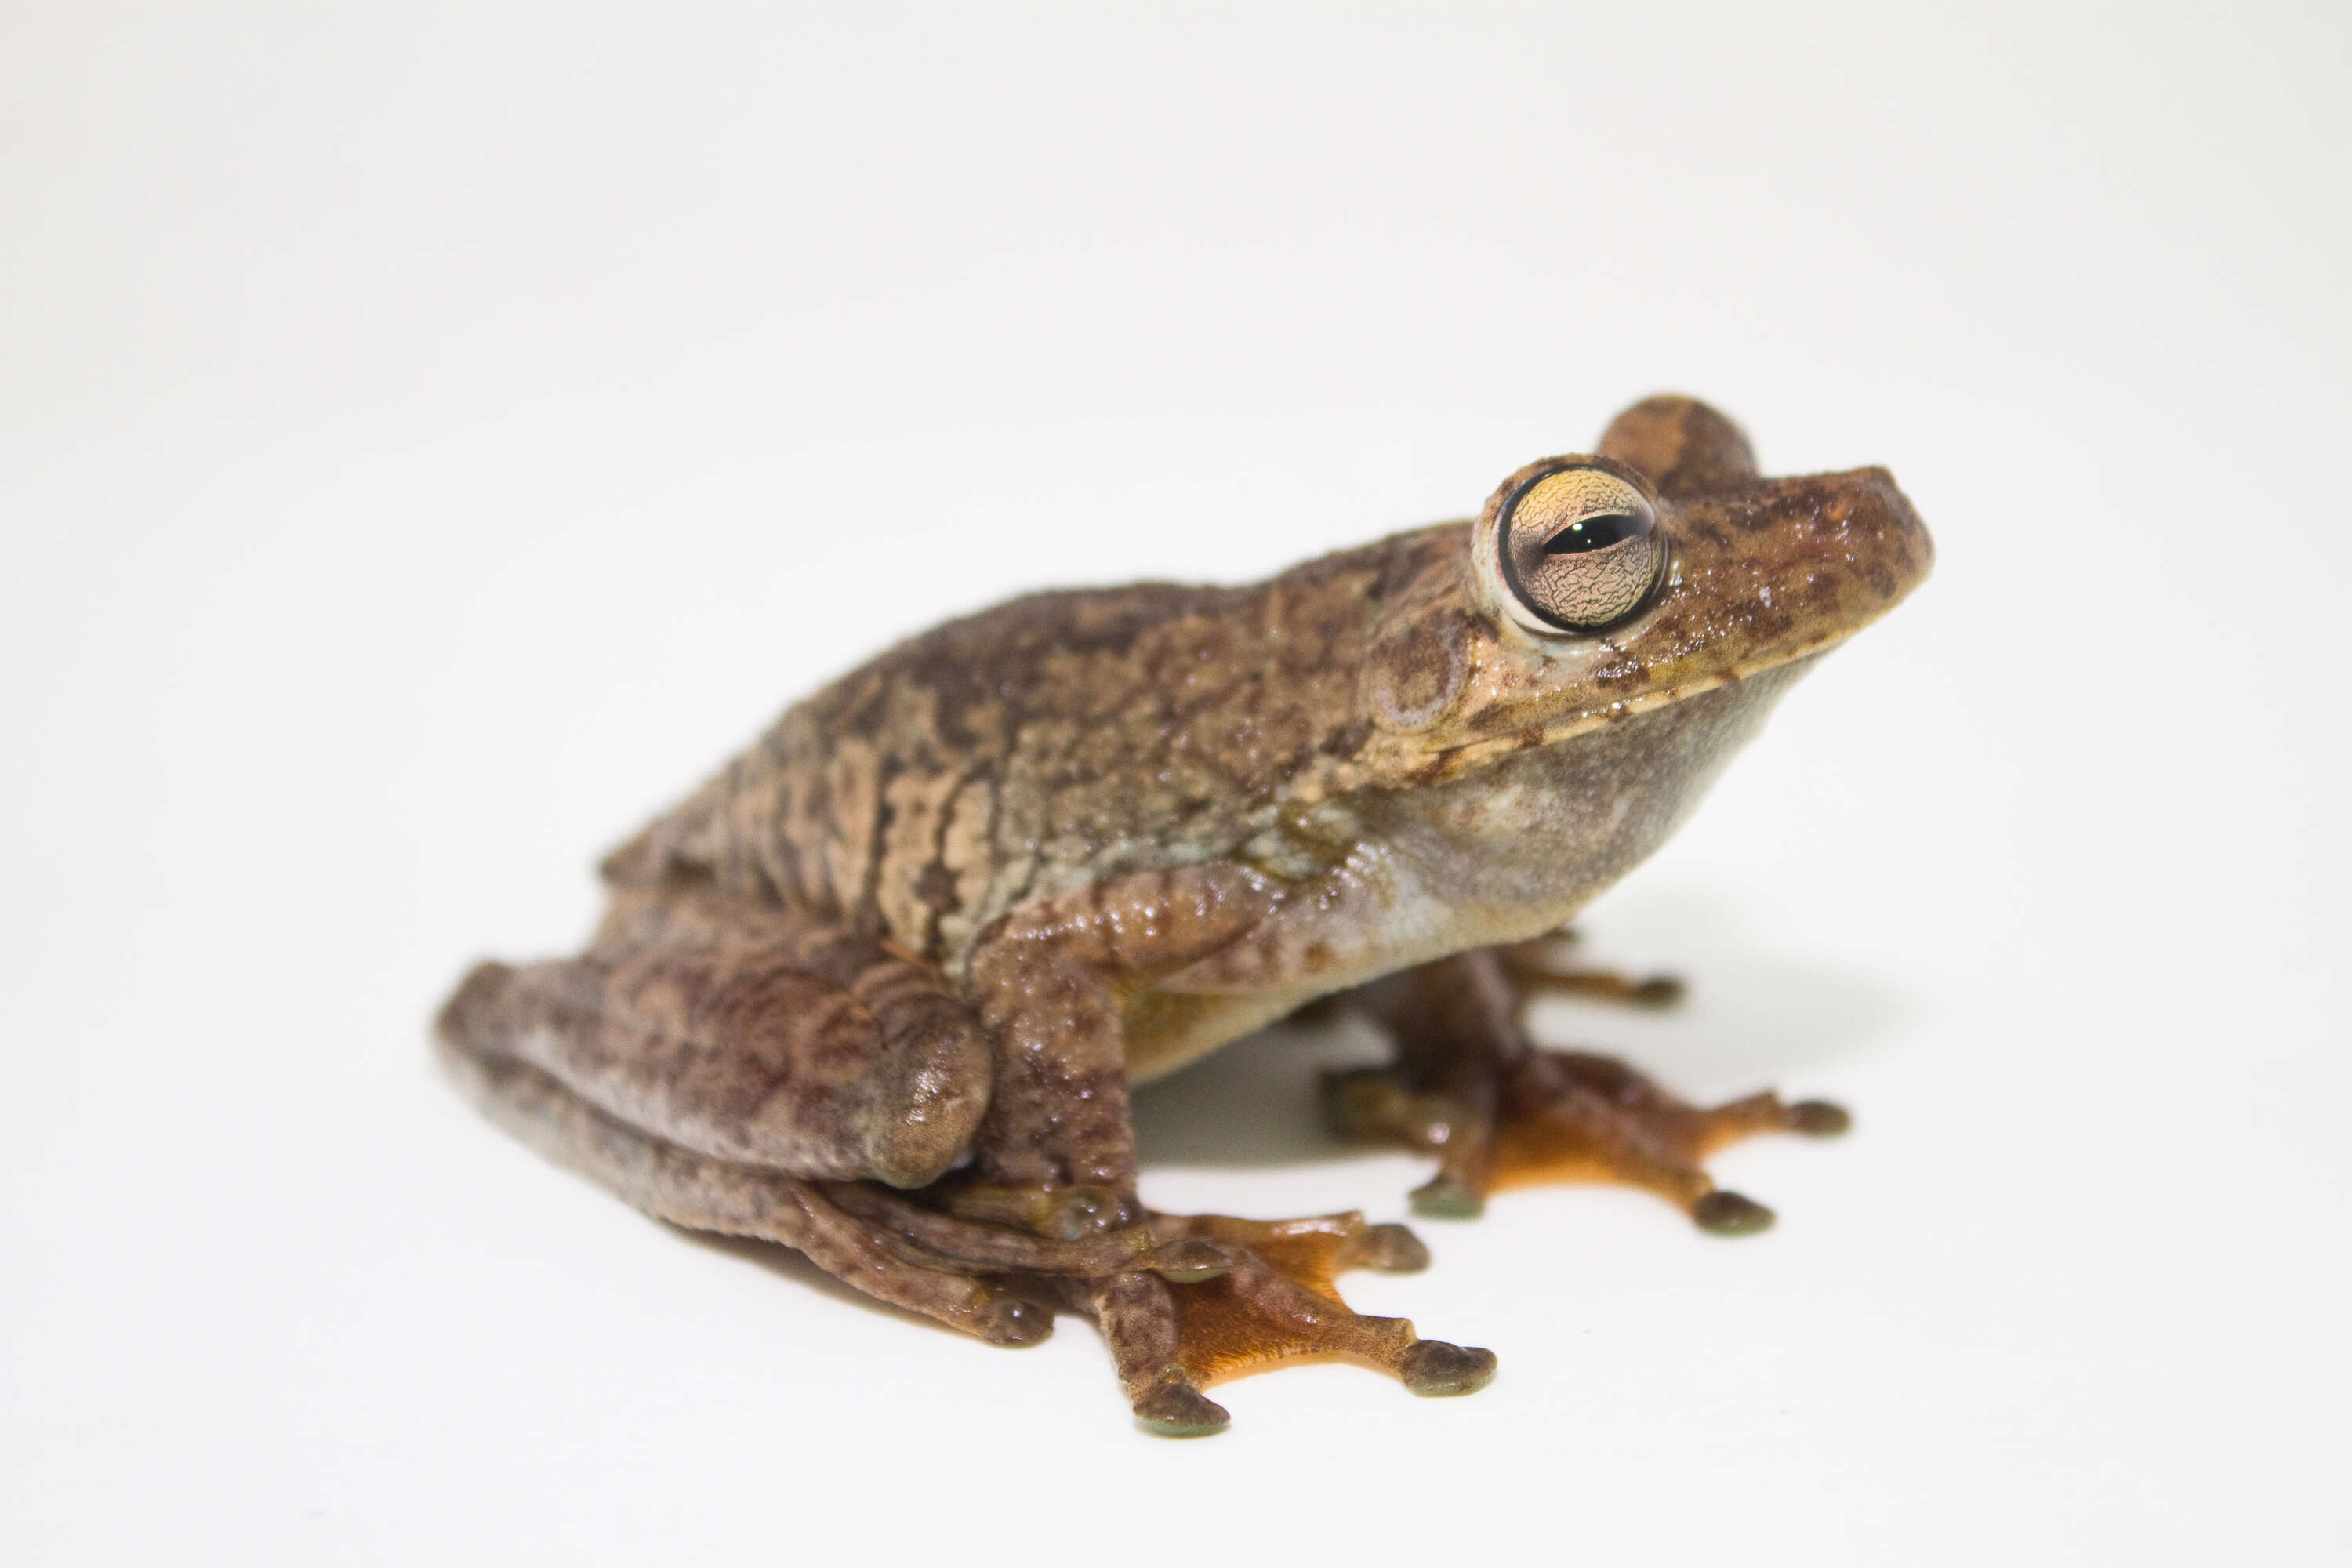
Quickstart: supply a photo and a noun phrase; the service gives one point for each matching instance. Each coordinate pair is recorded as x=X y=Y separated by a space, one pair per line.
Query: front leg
x=1470 y=1087
x=1056 y=1153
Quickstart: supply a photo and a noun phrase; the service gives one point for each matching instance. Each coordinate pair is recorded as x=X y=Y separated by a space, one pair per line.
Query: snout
x=1856 y=529
x=1781 y=568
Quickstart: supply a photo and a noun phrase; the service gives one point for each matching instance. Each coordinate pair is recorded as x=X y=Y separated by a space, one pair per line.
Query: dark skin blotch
x=1347 y=739
x=937 y=887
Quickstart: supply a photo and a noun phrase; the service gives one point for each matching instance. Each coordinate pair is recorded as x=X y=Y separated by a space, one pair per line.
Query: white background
x=431 y=439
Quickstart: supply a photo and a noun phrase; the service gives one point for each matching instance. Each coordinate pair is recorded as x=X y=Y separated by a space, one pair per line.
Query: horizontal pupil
x=1592 y=534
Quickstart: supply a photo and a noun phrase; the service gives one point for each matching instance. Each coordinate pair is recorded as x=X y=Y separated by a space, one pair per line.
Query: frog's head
x=1593 y=588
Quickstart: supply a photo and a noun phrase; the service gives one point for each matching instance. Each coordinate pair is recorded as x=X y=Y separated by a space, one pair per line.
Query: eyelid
x=1566 y=496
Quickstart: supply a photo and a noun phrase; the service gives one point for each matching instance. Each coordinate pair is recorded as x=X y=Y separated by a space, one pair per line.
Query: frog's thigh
x=797 y=1049
x=703 y=1193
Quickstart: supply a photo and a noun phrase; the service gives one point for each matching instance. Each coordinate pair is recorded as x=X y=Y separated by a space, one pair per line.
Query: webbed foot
x=1185 y=1301
x=1274 y=1300
x=1566 y=1115
x=1278 y=1300
x=1498 y=1112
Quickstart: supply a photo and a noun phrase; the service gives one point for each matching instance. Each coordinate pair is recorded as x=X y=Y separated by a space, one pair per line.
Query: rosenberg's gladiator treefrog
x=877 y=991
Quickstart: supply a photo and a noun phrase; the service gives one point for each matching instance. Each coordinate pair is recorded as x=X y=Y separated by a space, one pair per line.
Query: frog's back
x=1035 y=746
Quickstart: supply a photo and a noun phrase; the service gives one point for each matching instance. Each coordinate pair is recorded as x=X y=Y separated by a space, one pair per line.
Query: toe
x=1013 y=1322
x=1721 y=1213
x=1188 y=1260
x=1075 y=1213
x=1433 y=1368
x=1179 y=1410
x=1447 y=1198
x=1391 y=1249
x=1819 y=1118
x=1363 y=1103
x=1658 y=991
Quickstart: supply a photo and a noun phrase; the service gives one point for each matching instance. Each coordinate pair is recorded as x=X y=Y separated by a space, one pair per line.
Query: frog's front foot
x=1269 y=1298
x=1497 y=1112
x=1554 y=1116
x=1275 y=1299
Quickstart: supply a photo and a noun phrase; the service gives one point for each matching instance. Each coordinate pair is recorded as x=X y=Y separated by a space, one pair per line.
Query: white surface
x=430 y=439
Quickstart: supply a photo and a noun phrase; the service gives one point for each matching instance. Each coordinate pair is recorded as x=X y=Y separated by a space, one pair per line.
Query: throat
x=1527 y=841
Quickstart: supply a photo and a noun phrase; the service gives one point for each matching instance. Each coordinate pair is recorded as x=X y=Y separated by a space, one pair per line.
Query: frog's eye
x=1580 y=551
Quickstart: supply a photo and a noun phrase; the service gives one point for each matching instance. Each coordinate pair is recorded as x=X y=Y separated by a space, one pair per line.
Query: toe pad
x=1436 y=1369
x=1179 y=1410
x=1819 y=1118
x=1721 y=1213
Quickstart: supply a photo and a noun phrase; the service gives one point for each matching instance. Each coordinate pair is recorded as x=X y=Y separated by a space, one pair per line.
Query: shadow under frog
x=1764 y=1014
x=878 y=990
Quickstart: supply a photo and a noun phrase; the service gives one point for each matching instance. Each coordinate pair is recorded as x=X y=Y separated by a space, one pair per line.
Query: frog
x=881 y=989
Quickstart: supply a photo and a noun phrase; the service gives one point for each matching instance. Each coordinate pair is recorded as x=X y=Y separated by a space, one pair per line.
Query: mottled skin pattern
x=879 y=989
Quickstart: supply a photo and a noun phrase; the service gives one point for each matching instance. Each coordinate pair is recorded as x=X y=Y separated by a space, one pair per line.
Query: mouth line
x=1569 y=726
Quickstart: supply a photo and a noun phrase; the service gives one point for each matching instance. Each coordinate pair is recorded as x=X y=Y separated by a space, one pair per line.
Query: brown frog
x=877 y=991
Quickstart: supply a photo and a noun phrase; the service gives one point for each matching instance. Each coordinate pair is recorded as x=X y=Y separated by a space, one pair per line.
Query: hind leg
x=746 y=1070
x=731 y=1199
